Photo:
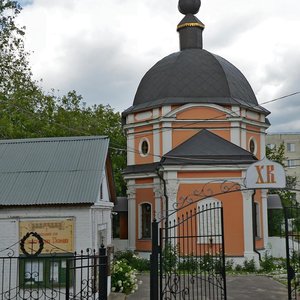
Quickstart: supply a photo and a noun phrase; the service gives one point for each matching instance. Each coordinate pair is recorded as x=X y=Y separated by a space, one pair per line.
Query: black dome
x=193 y=76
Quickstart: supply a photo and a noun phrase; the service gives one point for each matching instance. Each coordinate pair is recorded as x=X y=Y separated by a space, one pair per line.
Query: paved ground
x=238 y=288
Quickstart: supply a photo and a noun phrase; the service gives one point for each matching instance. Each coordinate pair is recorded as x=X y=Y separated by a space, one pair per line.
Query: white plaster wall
x=277 y=246
x=86 y=219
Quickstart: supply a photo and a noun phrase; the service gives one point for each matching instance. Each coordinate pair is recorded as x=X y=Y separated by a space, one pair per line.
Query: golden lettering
x=260 y=178
x=270 y=174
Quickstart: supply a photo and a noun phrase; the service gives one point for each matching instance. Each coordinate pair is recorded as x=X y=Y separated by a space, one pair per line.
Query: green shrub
x=138 y=263
x=238 y=268
x=249 y=266
x=267 y=264
x=229 y=265
x=123 y=278
x=188 y=264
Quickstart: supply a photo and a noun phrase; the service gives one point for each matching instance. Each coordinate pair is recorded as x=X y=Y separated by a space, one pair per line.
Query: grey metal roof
x=193 y=76
x=206 y=148
x=44 y=171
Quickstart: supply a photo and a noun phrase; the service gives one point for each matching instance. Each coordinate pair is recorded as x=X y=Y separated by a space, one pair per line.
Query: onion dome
x=193 y=75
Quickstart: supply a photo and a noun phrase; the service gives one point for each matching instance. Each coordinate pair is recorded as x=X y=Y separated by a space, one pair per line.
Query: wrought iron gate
x=292 y=237
x=188 y=255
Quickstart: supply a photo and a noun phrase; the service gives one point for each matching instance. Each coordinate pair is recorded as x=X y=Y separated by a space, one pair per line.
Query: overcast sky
x=102 y=48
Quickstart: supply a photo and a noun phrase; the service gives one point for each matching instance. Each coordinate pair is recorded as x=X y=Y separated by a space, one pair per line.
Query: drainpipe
x=254 y=225
x=167 y=201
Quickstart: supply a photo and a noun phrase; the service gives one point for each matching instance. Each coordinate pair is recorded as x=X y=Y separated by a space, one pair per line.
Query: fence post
x=154 y=262
x=67 y=279
x=103 y=273
x=287 y=246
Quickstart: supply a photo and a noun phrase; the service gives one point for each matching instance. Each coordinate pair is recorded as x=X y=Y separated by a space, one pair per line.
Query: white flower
x=140 y=282
x=120 y=282
x=121 y=289
x=113 y=289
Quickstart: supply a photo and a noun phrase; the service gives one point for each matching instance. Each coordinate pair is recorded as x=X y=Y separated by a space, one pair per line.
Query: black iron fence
x=292 y=236
x=188 y=256
x=56 y=276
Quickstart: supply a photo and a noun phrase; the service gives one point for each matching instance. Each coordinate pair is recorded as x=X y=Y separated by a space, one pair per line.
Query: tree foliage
x=26 y=111
x=276 y=217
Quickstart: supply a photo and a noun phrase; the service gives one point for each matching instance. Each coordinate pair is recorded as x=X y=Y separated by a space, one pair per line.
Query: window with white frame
x=291 y=163
x=209 y=221
x=291 y=147
x=145 y=221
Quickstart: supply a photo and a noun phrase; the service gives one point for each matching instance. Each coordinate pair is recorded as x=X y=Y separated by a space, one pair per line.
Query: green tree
x=276 y=217
x=27 y=111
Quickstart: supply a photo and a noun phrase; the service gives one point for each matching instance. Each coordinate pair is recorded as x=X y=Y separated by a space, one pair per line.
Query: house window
x=291 y=163
x=209 y=221
x=252 y=146
x=144 y=147
x=43 y=271
x=291 y=147
x=146 y=221
x=257 y=220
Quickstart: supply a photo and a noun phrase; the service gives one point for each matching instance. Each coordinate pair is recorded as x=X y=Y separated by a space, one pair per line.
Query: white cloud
x=103 y=48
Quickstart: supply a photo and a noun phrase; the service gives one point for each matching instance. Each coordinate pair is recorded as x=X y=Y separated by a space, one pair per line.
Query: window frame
x=144 y=140
x=290 y=147
x=142 y=236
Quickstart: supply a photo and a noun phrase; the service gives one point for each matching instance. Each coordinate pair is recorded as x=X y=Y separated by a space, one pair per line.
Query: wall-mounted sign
x=265 y=174
x=58 y=235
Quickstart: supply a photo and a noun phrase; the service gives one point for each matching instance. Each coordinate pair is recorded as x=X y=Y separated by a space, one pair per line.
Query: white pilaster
x=235 y=133
x=248 y=226
x=265 y=217
x=156 y=142
x=172 y=190
x=166 y=137
x=131 y=193
x=262 y=144
x=243 y=136
x=130 y=147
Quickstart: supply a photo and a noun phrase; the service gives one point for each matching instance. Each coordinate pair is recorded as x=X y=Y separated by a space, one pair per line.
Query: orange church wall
x=145 y=132
x=233 y=215
x=254 y=132
x=181 y=135
x=201 y=113
x=143 y=196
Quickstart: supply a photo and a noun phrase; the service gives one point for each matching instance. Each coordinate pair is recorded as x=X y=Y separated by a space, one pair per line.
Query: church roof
x=207 y=148
x=194 y=76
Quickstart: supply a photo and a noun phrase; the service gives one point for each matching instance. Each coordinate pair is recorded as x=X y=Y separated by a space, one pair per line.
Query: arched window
x=209 y=221
x=145 y=221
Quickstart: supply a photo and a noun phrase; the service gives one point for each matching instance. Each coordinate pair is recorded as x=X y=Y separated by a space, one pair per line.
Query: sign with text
x=58 y=235
x=265 y=174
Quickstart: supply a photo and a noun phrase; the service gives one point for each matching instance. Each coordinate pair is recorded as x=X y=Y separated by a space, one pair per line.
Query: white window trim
x=292 y=148
x=140 y=147
x=255 y=145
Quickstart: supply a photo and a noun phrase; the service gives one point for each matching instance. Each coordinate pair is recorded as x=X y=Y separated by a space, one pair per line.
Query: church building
x=194 y=128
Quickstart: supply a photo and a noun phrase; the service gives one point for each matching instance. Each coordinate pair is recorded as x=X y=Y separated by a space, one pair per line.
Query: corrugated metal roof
x=52 y=170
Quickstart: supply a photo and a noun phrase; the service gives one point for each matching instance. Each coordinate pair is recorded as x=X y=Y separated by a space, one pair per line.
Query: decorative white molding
x=166 y=137
x=130 y=119
x=131 y=195
x=130 y=147
x=262 y=144
x=182 y=108
x=156 y=113
x=243 y=137
x=156 y=142
x=265 y=217
x=143 y=116
x=235 y=133
x=248 y=222
x=165 y=110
